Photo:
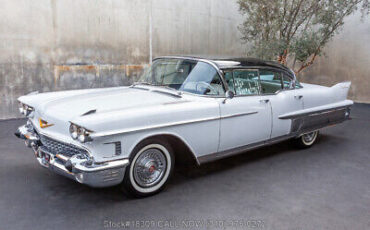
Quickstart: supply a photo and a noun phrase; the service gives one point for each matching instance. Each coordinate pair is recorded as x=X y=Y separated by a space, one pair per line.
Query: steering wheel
x=208 y=86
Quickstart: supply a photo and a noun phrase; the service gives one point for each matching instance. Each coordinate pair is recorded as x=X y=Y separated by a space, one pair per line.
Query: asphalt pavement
x=276 y=187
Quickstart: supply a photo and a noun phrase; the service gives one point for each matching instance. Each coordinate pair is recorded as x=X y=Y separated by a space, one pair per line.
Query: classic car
x=181 y=108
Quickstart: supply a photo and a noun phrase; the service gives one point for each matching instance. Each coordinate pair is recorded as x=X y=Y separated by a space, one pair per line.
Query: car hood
x=67 y=105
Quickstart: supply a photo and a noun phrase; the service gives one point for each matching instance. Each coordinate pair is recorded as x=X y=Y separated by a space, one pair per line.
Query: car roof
x=235 y=62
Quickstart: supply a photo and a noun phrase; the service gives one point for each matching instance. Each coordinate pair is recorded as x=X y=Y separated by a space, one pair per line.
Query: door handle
x=298 y=97
x=264 y=100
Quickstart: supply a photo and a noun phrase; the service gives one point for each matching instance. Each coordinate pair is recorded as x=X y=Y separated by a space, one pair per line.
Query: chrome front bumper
x=80 y=167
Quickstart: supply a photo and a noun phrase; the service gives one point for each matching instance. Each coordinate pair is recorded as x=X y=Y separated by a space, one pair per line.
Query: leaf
x=276 y=30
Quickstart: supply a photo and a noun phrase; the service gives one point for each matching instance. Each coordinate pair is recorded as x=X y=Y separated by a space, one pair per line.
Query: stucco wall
x=347 y=58
x=48 y=45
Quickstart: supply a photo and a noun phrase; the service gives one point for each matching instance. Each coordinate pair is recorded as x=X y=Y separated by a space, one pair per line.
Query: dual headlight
x=79 y=133
x=25 y=110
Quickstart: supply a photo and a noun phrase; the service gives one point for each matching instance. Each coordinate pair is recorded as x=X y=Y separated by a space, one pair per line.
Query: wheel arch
x=182 y=151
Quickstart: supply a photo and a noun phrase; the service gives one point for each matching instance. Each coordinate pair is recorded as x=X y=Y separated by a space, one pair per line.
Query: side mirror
x=230 y=94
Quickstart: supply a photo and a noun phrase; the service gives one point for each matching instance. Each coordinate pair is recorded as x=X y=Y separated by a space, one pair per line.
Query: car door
x=246 y=118
x=286 y=98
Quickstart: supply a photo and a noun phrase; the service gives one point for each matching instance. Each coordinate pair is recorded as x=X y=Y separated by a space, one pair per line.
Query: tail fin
x=341 y=89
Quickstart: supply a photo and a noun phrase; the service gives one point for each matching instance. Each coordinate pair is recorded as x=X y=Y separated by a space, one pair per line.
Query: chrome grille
x=56 y=147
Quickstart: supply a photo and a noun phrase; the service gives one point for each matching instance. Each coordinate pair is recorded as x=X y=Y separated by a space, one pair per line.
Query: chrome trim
x=290 y=74
x=61 y=167
x=294 y=133
x=313 y=113
x=315 y=121
x=293 y=77
x=56 y=146
x=234 y=151
x=80 y=164
x=150 y=167
x=23 y=132
x=220 y=72
x=83 y=169
x=131 y=130
x=77 y=144
x=238 y=114
x=102 y=166
x=176 y=95
x=117 y=147
x=62 y=157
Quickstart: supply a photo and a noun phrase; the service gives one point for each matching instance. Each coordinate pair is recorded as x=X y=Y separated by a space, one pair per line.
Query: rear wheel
x=307 y=139
x=151 y=165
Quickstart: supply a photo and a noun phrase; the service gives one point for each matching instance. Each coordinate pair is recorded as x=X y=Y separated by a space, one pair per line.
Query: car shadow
x=184 y=173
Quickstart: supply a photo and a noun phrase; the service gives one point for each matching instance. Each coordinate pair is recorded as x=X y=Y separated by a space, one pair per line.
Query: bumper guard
x=78 y=167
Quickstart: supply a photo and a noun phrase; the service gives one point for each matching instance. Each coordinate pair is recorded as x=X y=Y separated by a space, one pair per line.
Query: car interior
x=190 y=76
x=250 y=82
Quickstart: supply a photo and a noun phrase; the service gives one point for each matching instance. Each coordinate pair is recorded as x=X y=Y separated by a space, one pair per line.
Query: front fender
x=195 y=124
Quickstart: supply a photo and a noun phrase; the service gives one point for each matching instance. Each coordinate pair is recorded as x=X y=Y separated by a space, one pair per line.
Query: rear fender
x=341 y=90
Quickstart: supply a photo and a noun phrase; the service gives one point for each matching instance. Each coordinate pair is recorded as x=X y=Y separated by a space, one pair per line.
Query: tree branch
x=305 y=65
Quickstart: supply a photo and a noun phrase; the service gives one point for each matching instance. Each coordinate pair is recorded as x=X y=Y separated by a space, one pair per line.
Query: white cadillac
x=205 y=109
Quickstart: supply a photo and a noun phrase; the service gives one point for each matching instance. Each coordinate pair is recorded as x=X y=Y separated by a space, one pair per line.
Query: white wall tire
x=151 y=165
x=307 y=140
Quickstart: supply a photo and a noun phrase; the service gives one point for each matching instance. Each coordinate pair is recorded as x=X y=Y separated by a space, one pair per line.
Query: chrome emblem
x=44 y=124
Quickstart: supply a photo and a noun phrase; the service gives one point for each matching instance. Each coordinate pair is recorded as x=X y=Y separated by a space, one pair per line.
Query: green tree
x=297 y=30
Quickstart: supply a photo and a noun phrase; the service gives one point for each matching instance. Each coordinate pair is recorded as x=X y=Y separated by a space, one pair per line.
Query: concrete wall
x=347 y=58
x=49 y=45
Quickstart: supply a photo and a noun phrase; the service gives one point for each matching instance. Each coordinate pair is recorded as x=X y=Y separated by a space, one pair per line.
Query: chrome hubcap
x=309 y=137
x=149 y=167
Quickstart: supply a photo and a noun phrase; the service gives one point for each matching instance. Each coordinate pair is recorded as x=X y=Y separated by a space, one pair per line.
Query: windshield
x=185 y=75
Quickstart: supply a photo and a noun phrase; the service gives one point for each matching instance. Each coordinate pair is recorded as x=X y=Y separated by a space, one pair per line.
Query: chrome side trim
x=313 y=113
x=131 y=130
x=234 y=151
x=320 y=120
x=318 y=110
x=300 y=126
x=239 y=114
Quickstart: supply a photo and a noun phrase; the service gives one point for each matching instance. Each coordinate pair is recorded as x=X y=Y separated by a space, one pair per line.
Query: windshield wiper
x=142 y=83
x=167 y=87
x=151 y=84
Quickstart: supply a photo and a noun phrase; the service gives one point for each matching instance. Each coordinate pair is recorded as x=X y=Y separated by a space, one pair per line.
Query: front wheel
x=307 y=139
x=151 y=166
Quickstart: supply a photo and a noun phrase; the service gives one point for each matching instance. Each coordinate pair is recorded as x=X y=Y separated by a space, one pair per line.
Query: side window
x=229 y=80
x=270 y=81
x=246 y=82
x=287 y=82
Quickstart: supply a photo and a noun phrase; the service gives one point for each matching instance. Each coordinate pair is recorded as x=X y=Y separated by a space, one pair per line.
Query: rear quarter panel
x=316 y=95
